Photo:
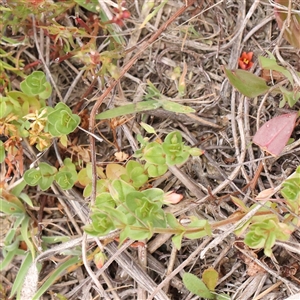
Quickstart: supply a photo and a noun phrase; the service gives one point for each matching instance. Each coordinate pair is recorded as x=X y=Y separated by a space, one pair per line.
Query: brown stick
x=125 y=69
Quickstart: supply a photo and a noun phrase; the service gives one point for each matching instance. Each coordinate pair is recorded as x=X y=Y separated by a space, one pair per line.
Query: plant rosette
x=61 y=120
x=36 y=84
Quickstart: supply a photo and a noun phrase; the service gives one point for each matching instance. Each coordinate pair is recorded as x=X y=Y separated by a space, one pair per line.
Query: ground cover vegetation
x=149 y=149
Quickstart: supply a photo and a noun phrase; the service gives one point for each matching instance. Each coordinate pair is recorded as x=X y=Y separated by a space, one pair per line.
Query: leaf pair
x=61 y=120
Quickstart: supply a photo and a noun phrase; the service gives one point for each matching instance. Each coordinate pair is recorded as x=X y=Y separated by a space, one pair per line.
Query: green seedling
x=36 y=84
x=263 y=234
x=61 y=120
x=204 y=288
x=45 y=174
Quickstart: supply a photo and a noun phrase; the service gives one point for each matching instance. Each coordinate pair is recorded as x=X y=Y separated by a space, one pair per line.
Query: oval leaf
x=247 y=83
x=274 y=134
x=210 y=277
x=196 y=286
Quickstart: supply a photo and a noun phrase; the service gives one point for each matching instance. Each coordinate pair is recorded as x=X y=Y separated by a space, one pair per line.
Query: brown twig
x=125 y=69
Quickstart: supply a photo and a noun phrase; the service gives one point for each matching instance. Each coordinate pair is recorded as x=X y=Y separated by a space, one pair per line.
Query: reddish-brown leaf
x=274 y=134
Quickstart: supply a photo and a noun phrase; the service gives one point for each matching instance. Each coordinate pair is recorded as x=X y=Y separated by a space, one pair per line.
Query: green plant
x=265 y=227
x=12 y=206
x=205 y=287
x=123 y=200
x=152 y=100
x=252 y=85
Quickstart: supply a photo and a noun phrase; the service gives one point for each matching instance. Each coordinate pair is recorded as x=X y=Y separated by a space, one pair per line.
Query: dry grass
x=223 y=126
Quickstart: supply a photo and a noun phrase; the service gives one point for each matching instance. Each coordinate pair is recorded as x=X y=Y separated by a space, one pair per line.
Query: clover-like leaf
x=135 y=200
x=47 y=175
x=65 y=179
x=154 y=153
x=150 y=214
x=101 y=224
x=101 y=186
x=67 y=123
x=32 y=177
x=36 y=84
x=135 y=174
x=291 y=188
x=154 y=170
x=154 y=195
x=61 y=120
x=104 y=199
x=121 y=189
x=263 y=234
x=176 y=152
x=138 y=177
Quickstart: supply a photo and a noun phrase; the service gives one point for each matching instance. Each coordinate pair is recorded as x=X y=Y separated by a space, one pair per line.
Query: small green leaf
x=101 y=223
x=122 y=189
x=134 y=234
x=247 y=83
x=289 y=97
x=104 y=199
x=177 y=239
x=148 y=128
x=210 y=278
x=176 y=107
x=26 y=199
x=4 y=109
x=156 y=170
x=154 y=153
x=173 y=222
x=36 y=84
x=196 y=152
x=196 y=286
x=65 y=179
x=117 y=217
x=32 y=177
x=8 y=259
x=61 y=120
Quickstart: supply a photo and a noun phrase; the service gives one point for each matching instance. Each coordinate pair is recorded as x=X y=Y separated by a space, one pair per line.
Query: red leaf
x=274 y=134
